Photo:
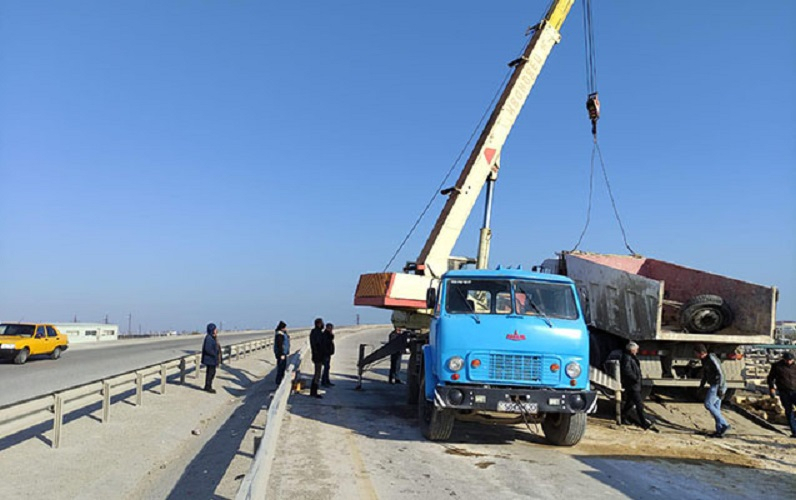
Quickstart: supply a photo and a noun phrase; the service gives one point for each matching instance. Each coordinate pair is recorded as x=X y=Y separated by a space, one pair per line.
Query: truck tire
x=564 y=429
x=436 y=424
x=705 y=314
x=22 y=356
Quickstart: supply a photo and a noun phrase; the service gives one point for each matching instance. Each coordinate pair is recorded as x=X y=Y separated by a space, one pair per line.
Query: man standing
x=395 y=359
x=318 y=355
x=211 y=356
x=783 y=377
x=630 y=370
x=713 y=375
x=328 y=349
x=281 y=350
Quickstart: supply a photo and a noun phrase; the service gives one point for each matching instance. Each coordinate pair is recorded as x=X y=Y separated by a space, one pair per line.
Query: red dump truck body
x=667 y=308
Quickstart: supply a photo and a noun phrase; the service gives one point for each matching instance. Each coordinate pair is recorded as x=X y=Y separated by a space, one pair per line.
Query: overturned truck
x=667 y=309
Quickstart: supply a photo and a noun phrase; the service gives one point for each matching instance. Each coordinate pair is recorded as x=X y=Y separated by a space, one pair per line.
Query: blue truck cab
x=506 y=346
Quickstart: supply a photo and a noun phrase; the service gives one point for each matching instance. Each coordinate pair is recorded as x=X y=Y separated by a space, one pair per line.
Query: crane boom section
x=484 y=159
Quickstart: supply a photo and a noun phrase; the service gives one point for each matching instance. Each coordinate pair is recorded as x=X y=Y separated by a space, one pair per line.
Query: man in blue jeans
x=713 y=375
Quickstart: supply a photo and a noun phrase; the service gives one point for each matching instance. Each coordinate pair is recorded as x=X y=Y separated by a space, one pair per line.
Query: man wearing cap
x=712 y=374
x=630 y=372
x=783 y=377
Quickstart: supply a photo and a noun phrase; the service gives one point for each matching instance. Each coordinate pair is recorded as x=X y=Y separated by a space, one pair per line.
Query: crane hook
x=593 y=106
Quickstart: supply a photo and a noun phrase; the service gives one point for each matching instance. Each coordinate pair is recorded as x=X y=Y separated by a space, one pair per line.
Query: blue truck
x=505 y=346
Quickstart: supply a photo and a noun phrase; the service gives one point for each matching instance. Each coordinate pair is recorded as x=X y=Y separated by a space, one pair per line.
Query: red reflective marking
x=489 y=153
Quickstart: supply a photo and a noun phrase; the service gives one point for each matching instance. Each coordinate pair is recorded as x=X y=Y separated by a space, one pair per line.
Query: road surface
x=367 y=445
x=83 y=363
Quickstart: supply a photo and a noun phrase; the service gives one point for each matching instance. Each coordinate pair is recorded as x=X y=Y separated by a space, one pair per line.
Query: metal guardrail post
x=139 y=388
x=163 y=378
x=58 y=420
x=198 y=363
x=182 y=371
x=106 y=401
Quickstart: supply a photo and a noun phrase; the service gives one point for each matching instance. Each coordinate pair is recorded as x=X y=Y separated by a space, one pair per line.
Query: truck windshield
x=545 y=299
x=464 y=296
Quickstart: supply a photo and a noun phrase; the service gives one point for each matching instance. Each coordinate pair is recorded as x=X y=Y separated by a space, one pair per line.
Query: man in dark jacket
x=782 y=377
x=281 y=350
x=395 y=359
x=712 y=374
x=630 y=371
x=211 y=356
x=318 y=355
x=328 y=348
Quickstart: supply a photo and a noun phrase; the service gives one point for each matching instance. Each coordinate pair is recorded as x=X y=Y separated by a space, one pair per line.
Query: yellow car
x=19 y=341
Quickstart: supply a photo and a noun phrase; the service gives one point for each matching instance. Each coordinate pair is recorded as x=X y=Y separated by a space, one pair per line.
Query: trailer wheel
x=705 y=314
x=435 y=423
x=564 y=429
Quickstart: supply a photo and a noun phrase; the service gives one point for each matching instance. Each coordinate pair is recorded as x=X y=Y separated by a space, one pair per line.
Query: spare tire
x=705 y=314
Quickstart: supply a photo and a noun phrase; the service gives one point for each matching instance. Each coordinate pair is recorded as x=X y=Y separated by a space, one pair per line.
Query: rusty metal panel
x=617 y=301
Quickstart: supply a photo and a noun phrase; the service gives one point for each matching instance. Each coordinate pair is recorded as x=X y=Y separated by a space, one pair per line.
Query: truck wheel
x=705 y=314
x=564 y=429
x=435 y=423
x=56 y=353
x=22 y=356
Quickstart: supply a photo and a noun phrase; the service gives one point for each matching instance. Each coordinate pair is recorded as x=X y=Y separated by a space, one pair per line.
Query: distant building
x=81 y=333
x=785 y=330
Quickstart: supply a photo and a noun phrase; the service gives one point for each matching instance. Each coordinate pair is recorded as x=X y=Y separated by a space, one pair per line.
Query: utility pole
x=357 y=319
x=106 y=318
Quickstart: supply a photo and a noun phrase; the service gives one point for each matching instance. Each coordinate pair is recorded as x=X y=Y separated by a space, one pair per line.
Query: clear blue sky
x=245 y=161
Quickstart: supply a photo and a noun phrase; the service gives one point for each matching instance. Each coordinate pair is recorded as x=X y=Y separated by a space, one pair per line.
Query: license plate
x=514 y=407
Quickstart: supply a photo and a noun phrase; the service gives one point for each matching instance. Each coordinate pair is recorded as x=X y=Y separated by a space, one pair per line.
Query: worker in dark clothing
x=281 y=350
x=395 y=359
x=318 y=355
x=630 y=371
x=211 y=356
x=782 y=377
x=328 y=348
x=713 y=374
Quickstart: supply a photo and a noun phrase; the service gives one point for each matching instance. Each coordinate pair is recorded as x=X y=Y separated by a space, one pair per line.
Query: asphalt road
x=83 y=363
x=366 y=444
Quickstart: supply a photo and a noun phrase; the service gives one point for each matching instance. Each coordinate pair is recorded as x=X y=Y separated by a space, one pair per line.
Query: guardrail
x=19 y=416
x=255 y=484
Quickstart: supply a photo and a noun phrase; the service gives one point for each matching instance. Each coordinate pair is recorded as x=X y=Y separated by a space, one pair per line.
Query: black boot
x=314 y=390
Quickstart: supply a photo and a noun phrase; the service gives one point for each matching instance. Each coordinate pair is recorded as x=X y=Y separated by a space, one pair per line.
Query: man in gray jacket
x=712 y=374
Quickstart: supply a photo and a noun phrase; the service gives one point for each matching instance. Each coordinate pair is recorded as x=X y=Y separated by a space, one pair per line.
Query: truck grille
x=515 y=367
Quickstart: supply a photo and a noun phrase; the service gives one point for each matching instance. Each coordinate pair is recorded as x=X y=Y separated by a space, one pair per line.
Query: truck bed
x=637 y=298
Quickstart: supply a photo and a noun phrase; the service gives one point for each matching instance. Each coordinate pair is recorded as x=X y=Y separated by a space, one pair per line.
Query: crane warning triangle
x=489 y=153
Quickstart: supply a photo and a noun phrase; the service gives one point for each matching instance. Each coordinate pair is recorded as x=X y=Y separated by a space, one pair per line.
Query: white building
x=80 y=333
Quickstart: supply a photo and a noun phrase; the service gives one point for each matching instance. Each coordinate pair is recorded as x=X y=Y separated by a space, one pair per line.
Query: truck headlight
x=455 y=364
x=573 y=369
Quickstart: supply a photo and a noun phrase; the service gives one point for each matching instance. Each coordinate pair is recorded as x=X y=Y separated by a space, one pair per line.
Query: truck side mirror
x=431 y=298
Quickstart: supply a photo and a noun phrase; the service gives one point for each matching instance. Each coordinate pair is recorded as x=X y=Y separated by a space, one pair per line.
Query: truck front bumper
x=514 y=400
